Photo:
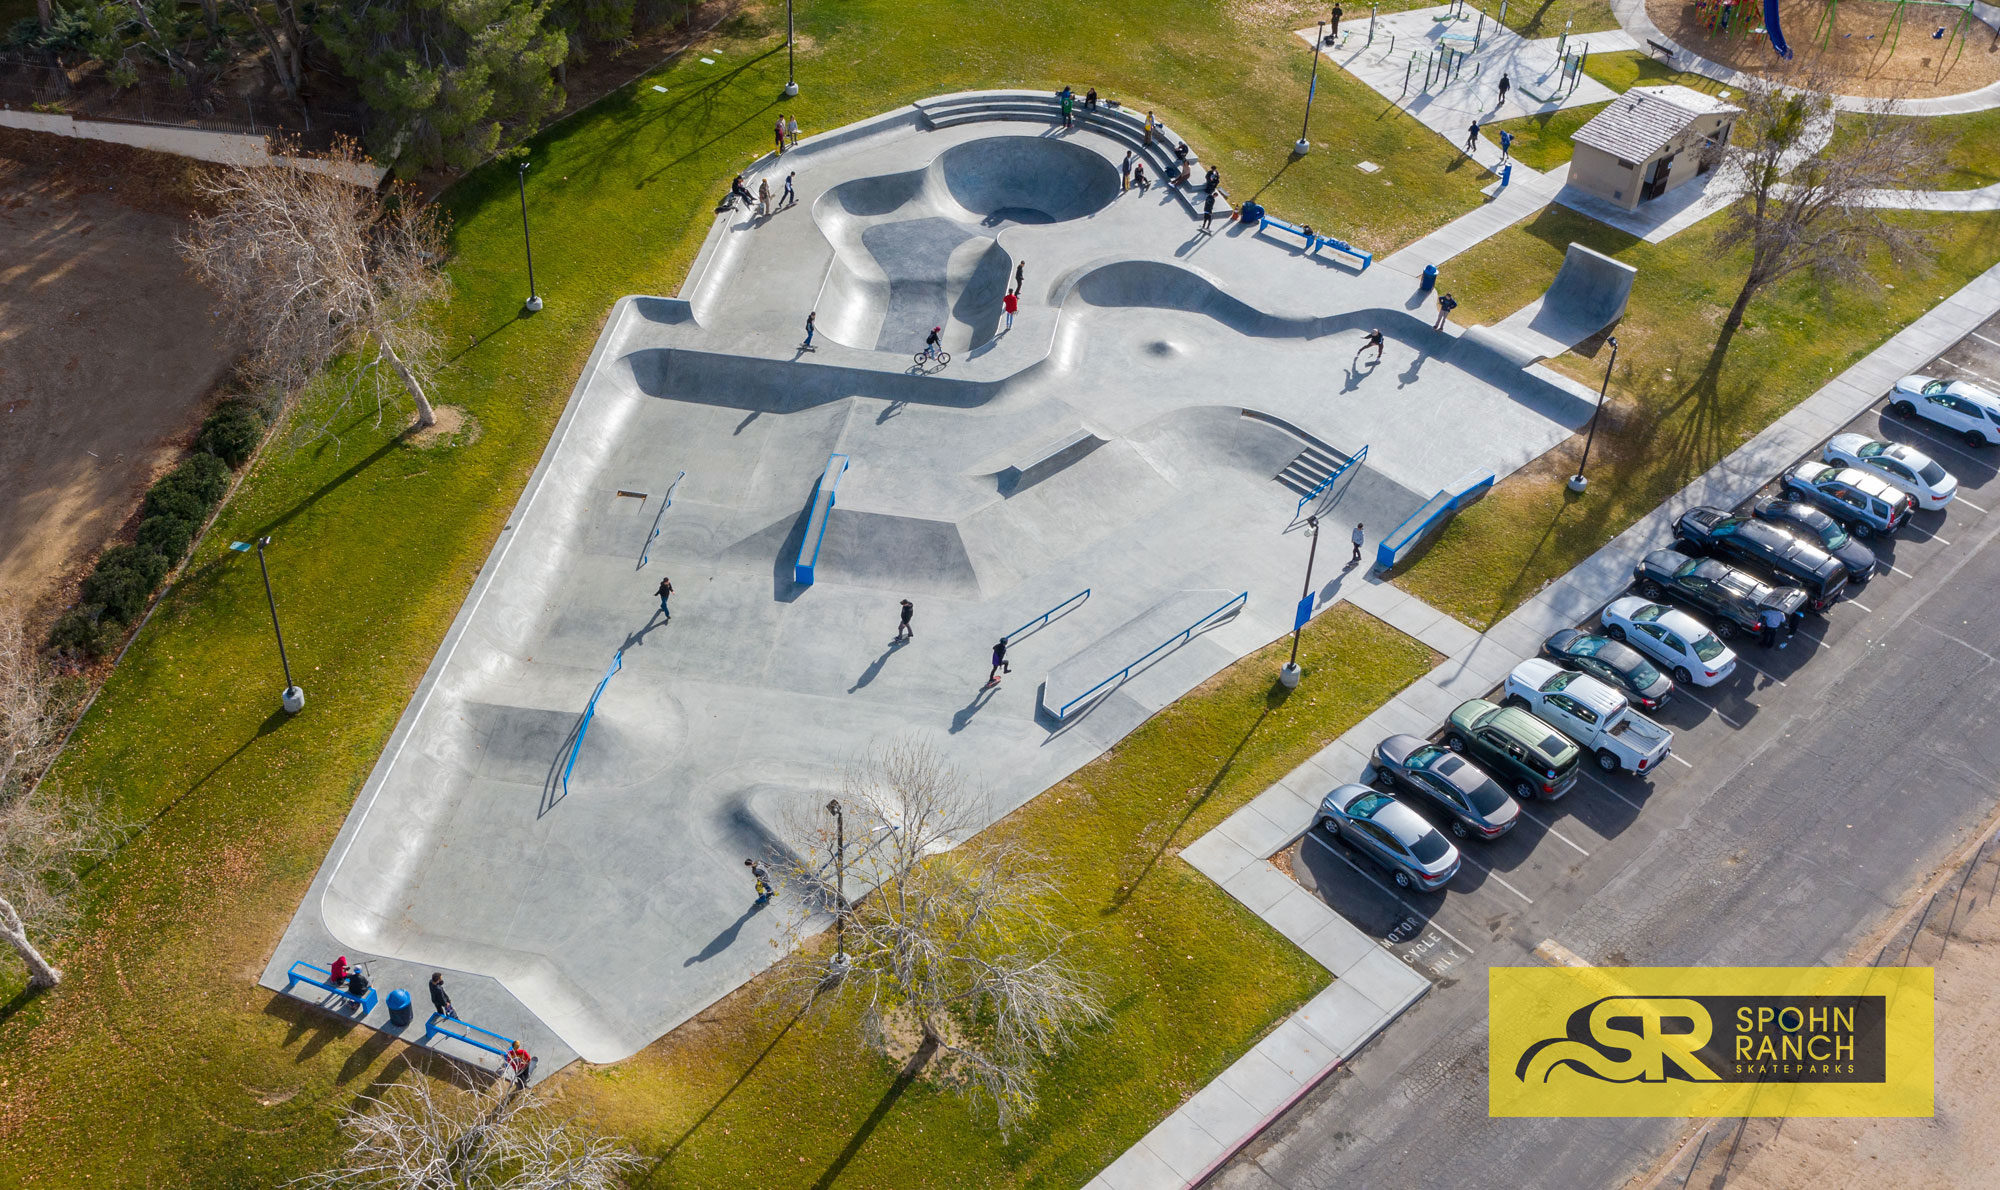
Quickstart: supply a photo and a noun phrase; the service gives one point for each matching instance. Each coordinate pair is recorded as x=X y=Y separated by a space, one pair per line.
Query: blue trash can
x=399 y=1008
x=1430 y=279
x=1506 y=175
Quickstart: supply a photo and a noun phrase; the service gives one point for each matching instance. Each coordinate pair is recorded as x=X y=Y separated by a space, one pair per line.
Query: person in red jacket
x=1011 y=303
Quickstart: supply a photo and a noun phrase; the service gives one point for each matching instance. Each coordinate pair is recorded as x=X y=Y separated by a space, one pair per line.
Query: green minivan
x=1526 y=754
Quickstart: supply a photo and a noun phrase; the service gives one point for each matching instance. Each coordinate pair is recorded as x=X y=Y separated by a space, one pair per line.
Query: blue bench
x=829 y=479
x=440 y=1025
x=322 y=979
x=1314 y=242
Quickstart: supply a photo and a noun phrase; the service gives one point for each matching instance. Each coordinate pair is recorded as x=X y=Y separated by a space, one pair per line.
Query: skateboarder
x=440 y=1002
x=762 y=876
x=903 y=629
x=1208 y=210
x=1373 y=339
x=1011 y=304
x=1446 y=304
x=789 y=197
x=1334 y=33
x=1000 y=665
x=665 y=589
x=1356 y=538
x=811 y=317
x=1020 y=276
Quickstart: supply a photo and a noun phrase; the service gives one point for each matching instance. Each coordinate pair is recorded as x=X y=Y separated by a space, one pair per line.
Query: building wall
x=1688 y=147
x=1597 y=172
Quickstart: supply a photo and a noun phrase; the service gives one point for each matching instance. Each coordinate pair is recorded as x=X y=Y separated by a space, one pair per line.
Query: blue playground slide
x=1776 y=34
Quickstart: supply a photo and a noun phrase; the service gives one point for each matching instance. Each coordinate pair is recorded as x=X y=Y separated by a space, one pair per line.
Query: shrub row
x=172 y=513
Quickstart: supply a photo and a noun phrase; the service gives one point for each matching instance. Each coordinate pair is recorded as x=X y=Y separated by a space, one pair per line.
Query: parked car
x=1716 y=532
x=1524 y=753
x=1476 y=802
x=1586 y=710
x=1971 y=411
x=1732 y=599
x=1905 y=467
x=1391 y=834
x=1866 y=503
x=1812 y=524
x=1678 y=641
x=1616 y=665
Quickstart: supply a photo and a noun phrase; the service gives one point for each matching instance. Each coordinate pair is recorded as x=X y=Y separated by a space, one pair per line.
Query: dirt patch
x=1857 y=59
x=107 y=351
x=454 y=427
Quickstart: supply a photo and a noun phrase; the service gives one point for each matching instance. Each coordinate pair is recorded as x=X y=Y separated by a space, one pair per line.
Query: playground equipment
x=1823 y=33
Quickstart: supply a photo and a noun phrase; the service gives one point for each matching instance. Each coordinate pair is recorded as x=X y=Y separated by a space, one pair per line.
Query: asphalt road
x=1807 y=796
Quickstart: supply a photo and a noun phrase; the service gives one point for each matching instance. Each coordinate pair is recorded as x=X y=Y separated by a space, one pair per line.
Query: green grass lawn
x=743 y=1095
x=1542 y=142
x=160 y=1054
x=1672 y=413
x=1972 y=146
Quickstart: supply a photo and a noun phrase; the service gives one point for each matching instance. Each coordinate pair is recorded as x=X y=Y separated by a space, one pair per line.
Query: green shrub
x=124 y=577
x=167 y=536
x=201 y=475
x=231 y=432
x=82 y=630
x=165 y=499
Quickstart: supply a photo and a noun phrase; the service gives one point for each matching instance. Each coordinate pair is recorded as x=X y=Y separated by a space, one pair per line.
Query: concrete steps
x=1305 y=473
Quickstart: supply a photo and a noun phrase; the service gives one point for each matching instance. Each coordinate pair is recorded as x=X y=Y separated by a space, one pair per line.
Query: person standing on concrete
x=666 y=586
x=1506 y=85
x=812 y=316
x=1208 y=210
x=1011 y=303
x=762 y=876
x=1214 y=179
x=1125 y=172
x=1066 y=101
x=1356 y=539
x=903 y=629
x=1333 y=33
x=1373 y=339
x=1000 y=665
x=1446 y=304
x=1020 y=276
x=764 y=197
x=790 y=196
x=1472 y=137
x=440 y=1002
x=791 y=132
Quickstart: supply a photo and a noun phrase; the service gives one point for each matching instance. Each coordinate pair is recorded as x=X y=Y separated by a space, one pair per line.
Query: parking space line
x=1920 y=432
x=1760 y=669
x=1968 y=371
x=1427 y=919
x=1497 y=878
x=1677 y=756
x=1550 y=828
x=1984 y=339
x=1936 y=538
x=1719 y=712
x=1972 y=506
x=1864 y=607
x=1899 y=570
x=1614 y=793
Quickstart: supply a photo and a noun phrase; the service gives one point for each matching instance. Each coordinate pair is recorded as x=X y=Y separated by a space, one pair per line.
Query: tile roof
x=1639 y=123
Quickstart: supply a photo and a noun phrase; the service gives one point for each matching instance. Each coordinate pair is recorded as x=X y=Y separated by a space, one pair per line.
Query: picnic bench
x=322 y=979
x=1314 y=241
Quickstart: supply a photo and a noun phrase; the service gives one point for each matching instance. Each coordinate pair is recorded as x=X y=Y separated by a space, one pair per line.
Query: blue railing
x=648 y=551
x=1418 y=524
x=1048 y=615
x=322 y=978
x=442 y=1024
x=829 y=481
x=1155 y=651
x=589 y=711
x=1324 y=484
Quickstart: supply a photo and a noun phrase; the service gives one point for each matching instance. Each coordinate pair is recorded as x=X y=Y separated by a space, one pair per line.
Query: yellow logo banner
x=1710 y=1041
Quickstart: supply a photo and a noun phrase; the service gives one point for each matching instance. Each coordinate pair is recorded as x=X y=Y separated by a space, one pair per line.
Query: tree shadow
x=329 y=486
x=904 y=1078
x=270 y=724
x=667 y=1153
x=20 y=1000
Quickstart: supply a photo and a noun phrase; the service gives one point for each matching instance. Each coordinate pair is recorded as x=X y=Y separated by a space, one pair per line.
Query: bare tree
x=310 y=268
x=953 y=943
x=27 y=707
x=1809 y=199
x=430 y=1135
x=42 y=841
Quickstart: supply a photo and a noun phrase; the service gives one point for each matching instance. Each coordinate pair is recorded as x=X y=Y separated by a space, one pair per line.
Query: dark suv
x=1732 y=600
x=1524 y=753
x=1715 y=532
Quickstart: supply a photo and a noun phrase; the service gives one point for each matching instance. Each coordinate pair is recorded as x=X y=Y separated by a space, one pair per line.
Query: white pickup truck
x=1593 y=714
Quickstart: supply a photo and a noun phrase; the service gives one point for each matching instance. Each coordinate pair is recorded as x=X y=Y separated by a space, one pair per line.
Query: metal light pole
x=1300 y=149
x=293 y=699
x=791 y=78
x=534 y=303
x=1577 y=482
x=1290 y=674
x=839 y=883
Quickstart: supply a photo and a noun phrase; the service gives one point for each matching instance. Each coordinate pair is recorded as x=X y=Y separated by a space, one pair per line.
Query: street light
x=293 y=699
x=1290 y=674
x=1577 y=482
x=791 y=79
x=534 y=303
x=1300 y=149
x=839 y=884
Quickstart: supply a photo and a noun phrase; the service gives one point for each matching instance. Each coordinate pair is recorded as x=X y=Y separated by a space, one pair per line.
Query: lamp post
x=1577 y=482
x=1300 y=149
x=534 y=303
x=791 y=77
x=839 y=884
x=293 y=699
x=1290 y=674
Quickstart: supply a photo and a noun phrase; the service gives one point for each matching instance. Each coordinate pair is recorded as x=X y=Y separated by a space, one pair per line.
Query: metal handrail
x=617 y=663
x=1176 y=638
x=1326 y=483
x=648 y=551
x=1044 y=618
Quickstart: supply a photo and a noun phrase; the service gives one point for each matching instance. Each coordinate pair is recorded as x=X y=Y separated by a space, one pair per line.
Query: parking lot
x=1806 y=795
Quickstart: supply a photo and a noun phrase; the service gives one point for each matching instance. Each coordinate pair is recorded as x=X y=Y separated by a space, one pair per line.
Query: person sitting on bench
x=357 y=984
x=337 y=974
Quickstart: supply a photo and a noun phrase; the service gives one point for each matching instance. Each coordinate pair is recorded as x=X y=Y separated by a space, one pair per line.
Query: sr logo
x=1625 y=1039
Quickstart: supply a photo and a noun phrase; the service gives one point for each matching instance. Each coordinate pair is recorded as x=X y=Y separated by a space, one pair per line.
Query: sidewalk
x=1227 y=1114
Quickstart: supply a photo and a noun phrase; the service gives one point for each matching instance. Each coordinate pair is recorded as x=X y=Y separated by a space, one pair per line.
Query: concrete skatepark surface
x=1588 y=295
x=1127 y=435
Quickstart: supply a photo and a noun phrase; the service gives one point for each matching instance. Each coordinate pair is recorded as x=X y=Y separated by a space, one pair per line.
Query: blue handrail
x=803 y=571
x=432 y=1026
x=1044 y=618
x=648 y=551
x=617 y=663
x=1326 y=483
x=1175 y=639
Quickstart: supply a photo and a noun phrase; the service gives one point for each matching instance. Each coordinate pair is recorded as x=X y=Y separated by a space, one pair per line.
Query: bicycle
x=929 y=354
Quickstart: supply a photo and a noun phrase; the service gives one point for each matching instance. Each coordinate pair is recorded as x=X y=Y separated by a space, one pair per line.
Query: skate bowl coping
x=1432 y=513
x=822 y=507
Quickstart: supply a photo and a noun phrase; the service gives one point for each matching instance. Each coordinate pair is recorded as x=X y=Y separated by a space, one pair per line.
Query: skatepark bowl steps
x=924 y=248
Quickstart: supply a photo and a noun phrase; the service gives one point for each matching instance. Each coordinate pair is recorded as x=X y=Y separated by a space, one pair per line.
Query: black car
x=1817 y=526
x=1620 y=666
x=1716 y=532
x=1732 y=600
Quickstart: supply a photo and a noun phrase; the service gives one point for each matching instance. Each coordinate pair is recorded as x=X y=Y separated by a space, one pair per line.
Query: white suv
x=1953 y=404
